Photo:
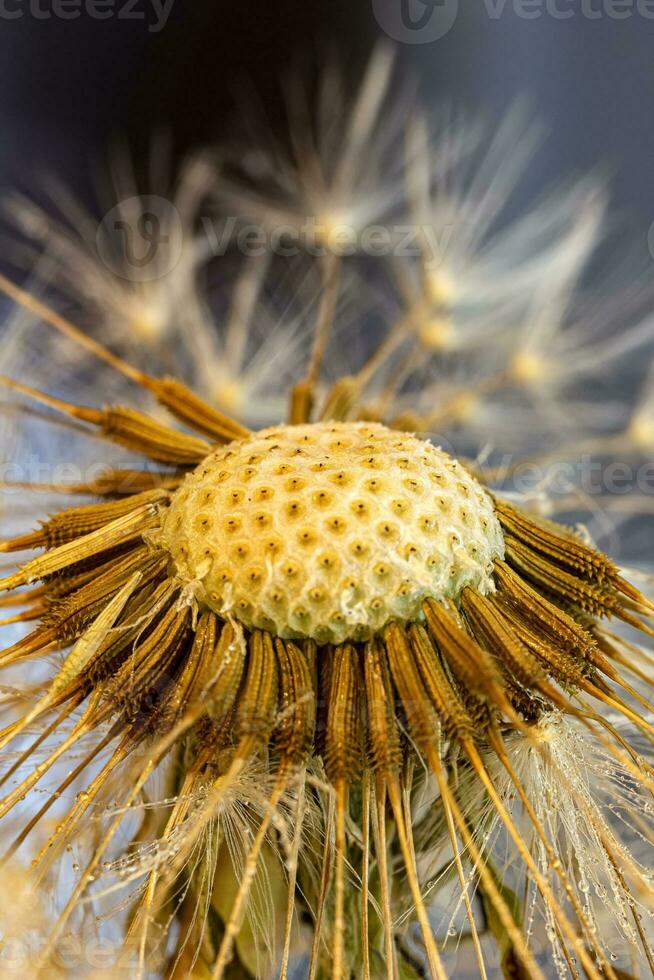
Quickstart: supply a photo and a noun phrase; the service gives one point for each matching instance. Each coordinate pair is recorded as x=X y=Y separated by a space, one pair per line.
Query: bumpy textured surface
x=330 y=530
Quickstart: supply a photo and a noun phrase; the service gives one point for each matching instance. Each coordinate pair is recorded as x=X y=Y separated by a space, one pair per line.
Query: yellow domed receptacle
x=330 y=530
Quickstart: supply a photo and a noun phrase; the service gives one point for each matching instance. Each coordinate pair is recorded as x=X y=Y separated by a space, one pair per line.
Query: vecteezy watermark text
x=593 y=477
x=73 y=955
x=153 y=13
x=313 y=237
x=567 y=9
x=142 y=238
x=425 y=21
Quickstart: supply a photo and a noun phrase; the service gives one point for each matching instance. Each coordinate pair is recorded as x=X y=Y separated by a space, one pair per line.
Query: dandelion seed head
x=148 y=316
x=332 y=223
x=527 y=368
x=230 y=394
x=436 y=333
x=641 y=431
x=330 y=530
x=441 y=287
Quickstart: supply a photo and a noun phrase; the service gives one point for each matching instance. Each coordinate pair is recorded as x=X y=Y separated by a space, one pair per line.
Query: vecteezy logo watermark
x=416 y=21
x=153 y=13
x=141 y=239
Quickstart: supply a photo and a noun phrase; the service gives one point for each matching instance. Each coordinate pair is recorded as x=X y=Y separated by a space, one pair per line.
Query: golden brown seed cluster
x=330 y=530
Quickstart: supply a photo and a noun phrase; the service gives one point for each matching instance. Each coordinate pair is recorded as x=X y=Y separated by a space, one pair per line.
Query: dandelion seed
x=337 y=178
x=134 y=304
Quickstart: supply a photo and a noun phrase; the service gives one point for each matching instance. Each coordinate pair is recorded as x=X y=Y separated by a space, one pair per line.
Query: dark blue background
x=66 y=87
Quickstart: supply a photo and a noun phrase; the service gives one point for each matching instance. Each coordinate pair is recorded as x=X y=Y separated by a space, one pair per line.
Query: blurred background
x=74 y=74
